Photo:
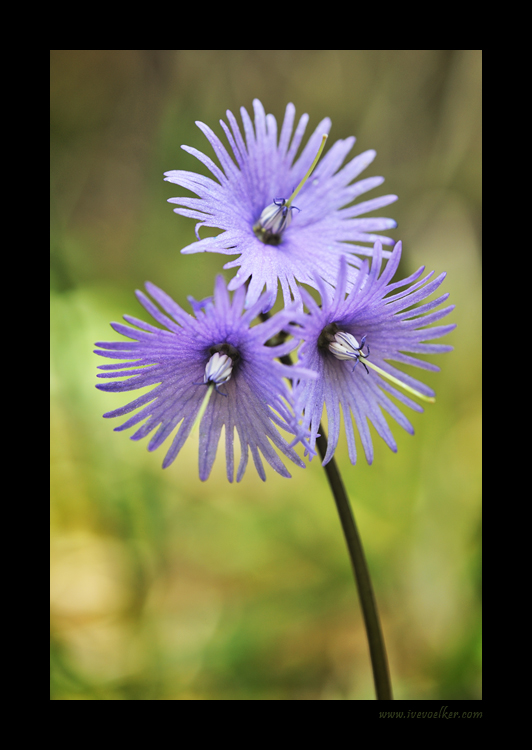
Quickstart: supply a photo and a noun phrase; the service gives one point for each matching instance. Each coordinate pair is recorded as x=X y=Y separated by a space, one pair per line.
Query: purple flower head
x=215 y=353
x=348 y=342
x=250 y=202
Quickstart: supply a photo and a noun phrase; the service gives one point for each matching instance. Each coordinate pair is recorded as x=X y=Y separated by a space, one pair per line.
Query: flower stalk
x=377 y=648
x=368 y=603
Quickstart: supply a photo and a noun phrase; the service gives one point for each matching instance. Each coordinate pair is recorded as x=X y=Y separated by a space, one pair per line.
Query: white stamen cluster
x=345 y=346
x=276 y=217
x=218 y=369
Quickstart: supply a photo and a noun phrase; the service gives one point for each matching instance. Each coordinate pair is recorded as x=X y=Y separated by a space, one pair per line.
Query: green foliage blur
x=167 y=588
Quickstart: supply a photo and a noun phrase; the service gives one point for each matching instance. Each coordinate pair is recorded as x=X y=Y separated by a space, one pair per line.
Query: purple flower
x=348 y=342
x=213 y=361
x=250 y=202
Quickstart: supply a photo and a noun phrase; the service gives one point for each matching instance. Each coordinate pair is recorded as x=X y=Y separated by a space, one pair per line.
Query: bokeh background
x=166 y=588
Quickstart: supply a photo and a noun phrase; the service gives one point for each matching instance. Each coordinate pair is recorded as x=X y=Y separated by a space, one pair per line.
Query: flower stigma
x=218 y=370
x=345 y=346
x=277 y=216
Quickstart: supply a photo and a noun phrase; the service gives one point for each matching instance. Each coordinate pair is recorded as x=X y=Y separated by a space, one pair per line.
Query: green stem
x=305 y=178
x=377 y=649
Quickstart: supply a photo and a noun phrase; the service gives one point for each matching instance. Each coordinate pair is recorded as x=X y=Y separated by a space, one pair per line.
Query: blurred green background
x=166 y=588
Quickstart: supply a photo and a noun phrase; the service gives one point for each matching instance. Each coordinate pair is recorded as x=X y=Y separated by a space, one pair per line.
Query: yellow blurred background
x=167 y=588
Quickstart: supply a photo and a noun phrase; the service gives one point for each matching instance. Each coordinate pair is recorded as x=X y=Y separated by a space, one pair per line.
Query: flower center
x=273 y=221
x=343 y=345
x=277 y=216
x=218 y=370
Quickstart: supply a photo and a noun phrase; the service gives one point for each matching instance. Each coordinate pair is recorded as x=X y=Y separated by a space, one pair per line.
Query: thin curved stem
x=377 y=649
